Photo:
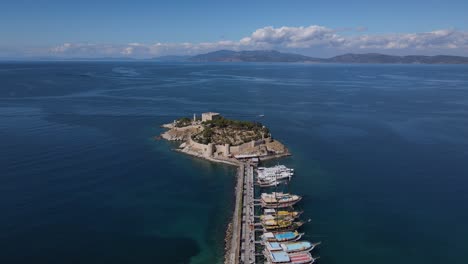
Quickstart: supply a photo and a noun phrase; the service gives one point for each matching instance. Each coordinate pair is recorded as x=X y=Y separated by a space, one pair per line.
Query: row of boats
x=280 y=222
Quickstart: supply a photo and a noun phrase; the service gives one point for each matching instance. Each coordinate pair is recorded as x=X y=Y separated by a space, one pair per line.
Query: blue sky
x=133 y=28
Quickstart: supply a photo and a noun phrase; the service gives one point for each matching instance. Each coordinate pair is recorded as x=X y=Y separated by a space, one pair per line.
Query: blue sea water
x=380 y=153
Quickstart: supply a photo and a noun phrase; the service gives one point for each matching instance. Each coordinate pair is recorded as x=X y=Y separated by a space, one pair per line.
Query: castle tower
x=226 y=150
x=209 y=150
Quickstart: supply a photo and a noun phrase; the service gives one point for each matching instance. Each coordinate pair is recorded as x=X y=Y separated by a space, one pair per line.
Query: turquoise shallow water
x=379 y=150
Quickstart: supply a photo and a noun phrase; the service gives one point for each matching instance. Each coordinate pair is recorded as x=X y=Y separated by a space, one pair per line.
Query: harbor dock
x=271 y=237
x=233 y=255
x=248 y=220
x=242 y=248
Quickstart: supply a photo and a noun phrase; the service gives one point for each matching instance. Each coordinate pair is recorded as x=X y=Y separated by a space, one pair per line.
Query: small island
x=219 y=139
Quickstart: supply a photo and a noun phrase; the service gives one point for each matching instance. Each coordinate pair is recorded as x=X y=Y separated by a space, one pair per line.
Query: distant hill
x=276 y=56
x=411 y=59
x=251 y=56
x=171 y=58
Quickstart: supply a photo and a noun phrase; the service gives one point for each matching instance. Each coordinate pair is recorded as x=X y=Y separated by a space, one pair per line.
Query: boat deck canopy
x=280 y=257
x=286 y=235
x=298 y=246
x=274 y=246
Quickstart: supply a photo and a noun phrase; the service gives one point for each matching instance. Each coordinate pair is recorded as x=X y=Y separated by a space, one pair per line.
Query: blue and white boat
x=281 y=236
x=291 y=247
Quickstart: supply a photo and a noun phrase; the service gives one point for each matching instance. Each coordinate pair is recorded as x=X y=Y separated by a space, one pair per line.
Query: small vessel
x=275 y=168
x=273 y=176
x=279 y=214
x=270 y=182
x=292 y=216
x=281 y=225
x=277 y=176
x=278 y=171
x=279 y=200
x=291 y=247
x=282 y=236
x=281 y=257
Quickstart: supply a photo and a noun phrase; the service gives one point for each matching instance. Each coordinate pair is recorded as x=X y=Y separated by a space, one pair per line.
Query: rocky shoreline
x=227 y=242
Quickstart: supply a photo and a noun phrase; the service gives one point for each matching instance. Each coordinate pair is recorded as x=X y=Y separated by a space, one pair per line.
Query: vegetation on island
x=183 y=122
x=233 y=132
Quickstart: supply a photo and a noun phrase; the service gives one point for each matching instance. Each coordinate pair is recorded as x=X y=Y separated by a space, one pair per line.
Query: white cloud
x=309 y=39
x=318 y=36
x=439 y=39
x=294 y=37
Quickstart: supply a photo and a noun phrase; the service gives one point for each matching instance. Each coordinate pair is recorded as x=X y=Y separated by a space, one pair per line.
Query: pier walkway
x=234 y=252
x=248 y=231
x=242 y=249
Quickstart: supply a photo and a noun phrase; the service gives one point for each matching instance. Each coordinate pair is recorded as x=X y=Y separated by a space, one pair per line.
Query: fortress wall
x=259 y=142
x=197 y=145
x=219 y=148
x=240 y=148
x=225 y=149
x=234 y=149
x=207 y=150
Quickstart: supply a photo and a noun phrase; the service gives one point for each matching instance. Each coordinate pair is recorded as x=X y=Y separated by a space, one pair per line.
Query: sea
x=380 y=154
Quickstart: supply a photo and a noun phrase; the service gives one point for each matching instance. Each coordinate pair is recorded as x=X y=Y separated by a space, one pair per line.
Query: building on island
x=209 y=116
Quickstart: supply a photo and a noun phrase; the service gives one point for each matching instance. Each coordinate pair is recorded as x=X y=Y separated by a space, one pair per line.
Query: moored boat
x=281 y=236
x=270 y=213
x=277 y=175
x=279 y=200
x=281 y=257
x=268 y=182
x=274 y=169
x=291 y=247
x=283 y=225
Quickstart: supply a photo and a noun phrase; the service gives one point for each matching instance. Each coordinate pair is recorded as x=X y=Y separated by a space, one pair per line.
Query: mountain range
x=251 y=56
x=276 y=56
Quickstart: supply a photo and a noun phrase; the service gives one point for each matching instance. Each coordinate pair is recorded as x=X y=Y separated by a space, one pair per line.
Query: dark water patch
x=59 y=244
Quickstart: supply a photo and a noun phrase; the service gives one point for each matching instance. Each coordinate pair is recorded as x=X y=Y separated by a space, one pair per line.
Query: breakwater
x=241 y=232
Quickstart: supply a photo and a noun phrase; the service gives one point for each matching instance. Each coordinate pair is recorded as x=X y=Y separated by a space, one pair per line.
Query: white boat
x=281 y=257
x=279 y=200
x=278 y=175
x=281 y=236
x=269 y=182
x=273 y=170
x=291 y=247
x=272 y=176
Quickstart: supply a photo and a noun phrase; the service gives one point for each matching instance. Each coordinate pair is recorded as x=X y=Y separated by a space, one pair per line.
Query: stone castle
x=264 y=147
